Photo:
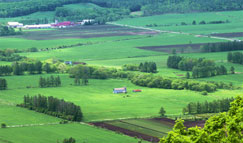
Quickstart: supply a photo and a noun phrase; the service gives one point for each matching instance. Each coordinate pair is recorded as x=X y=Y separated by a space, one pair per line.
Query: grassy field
x=99 y=103
x=172 y=22
x=53 y=133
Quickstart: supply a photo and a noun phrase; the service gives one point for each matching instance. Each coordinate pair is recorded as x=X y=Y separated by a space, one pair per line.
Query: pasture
x=172 y=22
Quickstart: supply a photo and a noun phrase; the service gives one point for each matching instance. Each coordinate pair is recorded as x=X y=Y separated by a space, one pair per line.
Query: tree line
x=236 y=57
x=200 y=67
x=53 y=106
x=3 y=84
x=223 y=127
x=215 y=106
x=19 y=68
x=149 y=67
x=151 y=81
x=222 y=46
x=50 y=82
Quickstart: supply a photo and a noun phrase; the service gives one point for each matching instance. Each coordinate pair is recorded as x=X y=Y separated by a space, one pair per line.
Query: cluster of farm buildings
x=124 y=90
x=52 y=25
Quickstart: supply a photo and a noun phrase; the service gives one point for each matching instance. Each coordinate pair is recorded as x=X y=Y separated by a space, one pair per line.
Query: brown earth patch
x=167 y=48
x=126 y=132
x=229 y=35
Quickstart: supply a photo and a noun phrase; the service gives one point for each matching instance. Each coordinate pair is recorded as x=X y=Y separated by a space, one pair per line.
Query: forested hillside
x=14 y=8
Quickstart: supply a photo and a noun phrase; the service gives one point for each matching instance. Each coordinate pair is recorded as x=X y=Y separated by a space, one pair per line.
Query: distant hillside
x=108 y=10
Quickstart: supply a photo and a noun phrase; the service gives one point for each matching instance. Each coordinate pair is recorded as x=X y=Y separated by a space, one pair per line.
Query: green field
x=53 y=133
x=172 y=22
x=97 y=101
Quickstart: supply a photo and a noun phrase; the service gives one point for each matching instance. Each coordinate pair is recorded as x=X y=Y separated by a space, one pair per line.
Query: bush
x=3 y=125
x=204 y=93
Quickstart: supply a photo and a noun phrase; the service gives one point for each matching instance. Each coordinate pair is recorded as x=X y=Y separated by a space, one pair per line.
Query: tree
x=47 y=68
x=3 y=84
x=173 y=51
x=3 y=125
x=194 y=22
x=162 y=112
x=70 y=140
x=188 y=75
x=38 y=67
x=232 y=70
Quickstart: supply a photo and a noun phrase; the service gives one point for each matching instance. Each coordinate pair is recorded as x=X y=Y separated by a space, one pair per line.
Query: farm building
x=68 y=62
x=63 y=24
x=15 y=24
x=137 y=90
x=120 y=90
x=40 y=26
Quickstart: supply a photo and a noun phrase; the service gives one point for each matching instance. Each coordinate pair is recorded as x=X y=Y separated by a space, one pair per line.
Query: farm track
x=32 y=125
x=173 y=32
x=126 y=132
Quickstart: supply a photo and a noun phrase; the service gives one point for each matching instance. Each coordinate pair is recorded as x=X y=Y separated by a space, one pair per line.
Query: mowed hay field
x=172 y=22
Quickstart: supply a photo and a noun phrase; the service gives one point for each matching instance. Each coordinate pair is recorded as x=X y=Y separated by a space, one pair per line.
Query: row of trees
x=236 y=57
x=223 y=46
x=18 y=68
x=53 y=106
x=3 y=84
x=50 y=82
x=215 y=106
x=149 y=67
x=224 y=127
x=200 y=67
x=148 y=80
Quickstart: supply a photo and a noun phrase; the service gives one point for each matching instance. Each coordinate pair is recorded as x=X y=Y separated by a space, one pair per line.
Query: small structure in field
x=137 y=90
x=120 y=90
x=68 y=62
x=79 y=63
x=15 y=24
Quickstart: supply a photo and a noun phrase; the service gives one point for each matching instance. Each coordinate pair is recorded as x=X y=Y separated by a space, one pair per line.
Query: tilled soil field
x=163 y=121
x=85 y=32
x=125 y=131
x=167 y=48
x=229 y=35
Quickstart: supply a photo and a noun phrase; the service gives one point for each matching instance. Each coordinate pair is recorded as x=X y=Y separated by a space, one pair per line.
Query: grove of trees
x=236 y=57
x=7 y=31
x=215 y=106
x=221 y=128
x=53 y=106
x=50 y=82
x=200 y=67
